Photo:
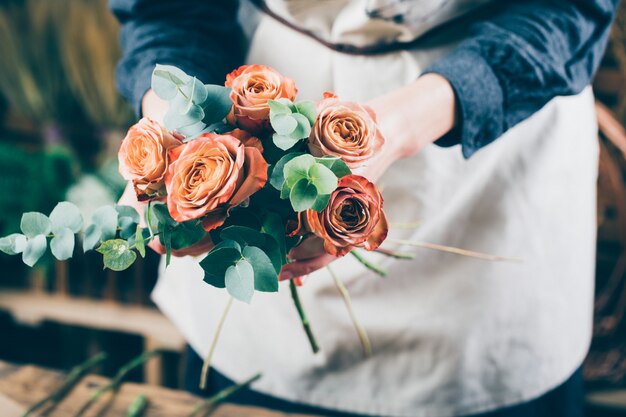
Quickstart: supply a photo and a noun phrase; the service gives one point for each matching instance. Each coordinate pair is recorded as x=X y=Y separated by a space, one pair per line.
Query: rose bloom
x=345 y=129
x=353 y=218
x=247 y=139
x=252 y=86
x=143 y=157
x=210 y=175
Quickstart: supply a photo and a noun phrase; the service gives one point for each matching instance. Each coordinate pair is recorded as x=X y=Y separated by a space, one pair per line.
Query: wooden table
x=22 y=386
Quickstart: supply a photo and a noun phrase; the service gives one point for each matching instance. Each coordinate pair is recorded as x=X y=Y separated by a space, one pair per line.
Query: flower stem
x=222 y=395
x=207 y=360
x=75 y=375
x=395 y=254
x=138 y=406
x=117 y=379
x=365 y=340
x=369 y=265
x=303 y=317
x=457 y=251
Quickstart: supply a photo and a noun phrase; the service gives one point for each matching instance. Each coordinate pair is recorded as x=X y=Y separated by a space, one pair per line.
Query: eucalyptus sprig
x=291 y=121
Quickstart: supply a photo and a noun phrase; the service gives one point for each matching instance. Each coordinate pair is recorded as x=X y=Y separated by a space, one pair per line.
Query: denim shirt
x=515 y=61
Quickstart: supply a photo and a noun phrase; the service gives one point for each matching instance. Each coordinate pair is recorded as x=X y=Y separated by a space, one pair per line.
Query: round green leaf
x=106 y=219
x=117 y=255
x=66 y=214
x=284 y=142
x=217 y=104
x=62 y=244
x=277 y=178
x=35 y=249
x=34 y=224
x=140 y=242
x=239 y=281
x=126 y=226
x=297 y=169
x=321 y=202
x=127 y=211
x=323 y=178
x=283 y=124
x=192 y=131
x=303 y=127
x=308 y=110
x=92 y=237
x=217 y=261
x=13 y=244
x=278 y=107
x=265 y=276
x=335 y=164
x=302 y=195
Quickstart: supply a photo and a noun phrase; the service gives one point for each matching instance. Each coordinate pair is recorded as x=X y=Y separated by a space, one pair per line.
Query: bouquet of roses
x=244 y=171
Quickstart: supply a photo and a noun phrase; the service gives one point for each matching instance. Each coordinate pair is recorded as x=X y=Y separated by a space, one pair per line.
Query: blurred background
x=61 y=122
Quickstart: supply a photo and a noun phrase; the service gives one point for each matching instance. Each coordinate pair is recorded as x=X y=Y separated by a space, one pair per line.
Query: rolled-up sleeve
x=513 y=63
x=202 y=38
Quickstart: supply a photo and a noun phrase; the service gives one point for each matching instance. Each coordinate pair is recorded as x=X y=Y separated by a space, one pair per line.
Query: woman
x=452 y=336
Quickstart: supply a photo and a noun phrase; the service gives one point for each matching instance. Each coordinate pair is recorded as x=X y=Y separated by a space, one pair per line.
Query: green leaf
x=277 y=178
x=273 y=226
x=199 y=92
x=166 y=240
x=34 y=224
x=284 y=142
x=265 y=276
x=127 y=211
x=218 y=260
x=239 y=281
x=323 y=178
x=243 y=235
x=303 y=128
x=192 y=131
x=283 y=124
x=278 y=107
x=166 y=79
x=106 y=219
x=117 y=255
x=297 y=169
x=140 y=242
x=93 y=236
x=174 y=120
x=34 y=250
x=284 y=192
x=308 y=110
x=13 y=244
x=302 y=195
x=217 y=104
x=321 y=202
x=66 y=214
x=335 y=164
x=163 y=215
x=62 y=244
x=127 y=227
x=186 y=234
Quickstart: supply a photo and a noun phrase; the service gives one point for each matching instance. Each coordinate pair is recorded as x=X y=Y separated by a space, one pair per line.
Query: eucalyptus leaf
x=116 y=254
x=283 y=124
x=302 y=195
x=265 y=276
x=34 y=250
x=277 y=107
x=186 y=234
x=284 y=142
x=321 y=202
x=140 y=242
x=243 y=235
x=277 y=178
x=298 y=168
x=323 y=178
x=217 y=261
x=106 y=219
x=127 y=227
x=192 y=131
x=239 y=281
x=335 y=164
x=308 y=110
x=93 y=236
x=34 y=224
x=13 y=244
x=66 y=214
x=303 y=127
x=62 y=244
x=127 y=211
x=217 y=104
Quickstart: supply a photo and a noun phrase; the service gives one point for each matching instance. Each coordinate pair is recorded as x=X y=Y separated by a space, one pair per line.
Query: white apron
x=451 y=335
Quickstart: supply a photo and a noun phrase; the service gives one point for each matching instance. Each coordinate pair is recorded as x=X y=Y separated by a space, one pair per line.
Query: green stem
x=456 y=251
x=365 y=340
x=207 y=361
x=138 y=406
x=303 y=317
x=369 y=265
x=75 y=375
x=222 y=395
x=395 y=254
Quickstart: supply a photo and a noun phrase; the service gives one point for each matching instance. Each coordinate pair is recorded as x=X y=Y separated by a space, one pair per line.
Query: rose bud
x=143 y=157
x=345 y=129
x=353 y=218
x=210 y=175
x=252 y=87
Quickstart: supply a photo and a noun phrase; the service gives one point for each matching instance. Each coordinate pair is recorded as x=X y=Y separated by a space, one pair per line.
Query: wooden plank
x=34 y=308
x=26 y=385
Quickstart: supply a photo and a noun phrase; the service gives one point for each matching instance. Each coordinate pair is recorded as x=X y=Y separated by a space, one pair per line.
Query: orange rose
x=353 y=218
x=345 y=129
x=143 y=157
x=252 y=87
x=247 y=139
x=210 y=175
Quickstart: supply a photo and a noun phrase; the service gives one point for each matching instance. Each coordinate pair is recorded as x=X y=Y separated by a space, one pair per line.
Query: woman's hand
x=409 y=118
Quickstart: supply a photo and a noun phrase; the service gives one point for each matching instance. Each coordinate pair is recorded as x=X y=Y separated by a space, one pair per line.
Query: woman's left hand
x=409 y=118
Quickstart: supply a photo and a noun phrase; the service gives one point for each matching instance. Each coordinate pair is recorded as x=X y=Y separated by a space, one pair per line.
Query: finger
x=300 y=268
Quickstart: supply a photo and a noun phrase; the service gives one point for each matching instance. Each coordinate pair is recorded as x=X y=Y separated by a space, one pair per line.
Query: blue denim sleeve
x=513 y=63
x=201 y=37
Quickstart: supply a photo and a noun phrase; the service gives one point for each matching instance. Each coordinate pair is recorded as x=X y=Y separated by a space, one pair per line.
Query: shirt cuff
x=479 y=100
